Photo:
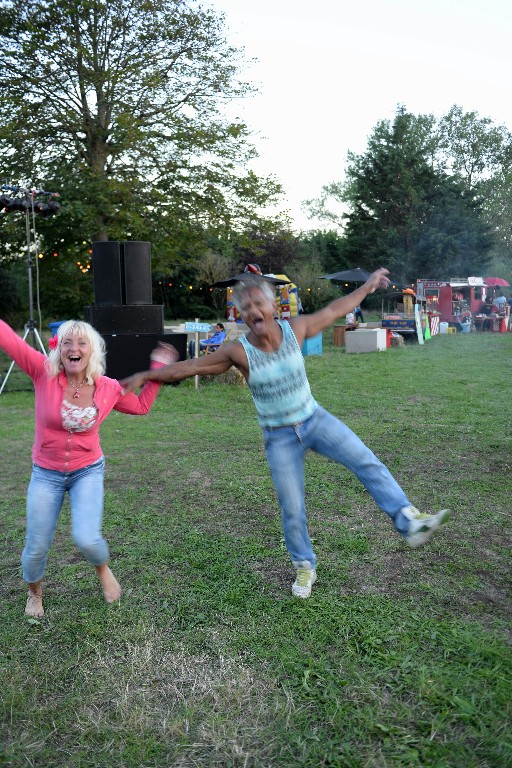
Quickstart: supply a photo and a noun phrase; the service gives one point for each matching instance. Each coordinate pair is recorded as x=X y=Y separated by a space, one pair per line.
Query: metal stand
x=30 y=326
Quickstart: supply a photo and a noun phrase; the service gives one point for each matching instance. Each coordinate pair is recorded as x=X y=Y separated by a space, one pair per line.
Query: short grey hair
x=96 y=366
x=242 y=287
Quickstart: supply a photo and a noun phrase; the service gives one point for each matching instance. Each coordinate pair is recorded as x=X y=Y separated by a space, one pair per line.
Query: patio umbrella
x=495 y=281
x=249 y=277
x=356 y=275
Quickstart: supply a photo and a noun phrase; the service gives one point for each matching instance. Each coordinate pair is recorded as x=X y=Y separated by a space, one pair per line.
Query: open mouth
x=74 y=359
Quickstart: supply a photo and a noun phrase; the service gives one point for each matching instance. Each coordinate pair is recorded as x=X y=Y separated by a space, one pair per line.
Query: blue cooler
x=312 y=346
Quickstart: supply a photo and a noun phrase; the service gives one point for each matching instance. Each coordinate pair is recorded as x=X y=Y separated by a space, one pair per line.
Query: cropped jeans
x=286 y=449
x=45 y=497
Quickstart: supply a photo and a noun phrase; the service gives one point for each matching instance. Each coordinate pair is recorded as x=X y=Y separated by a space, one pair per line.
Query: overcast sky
x=329 y=70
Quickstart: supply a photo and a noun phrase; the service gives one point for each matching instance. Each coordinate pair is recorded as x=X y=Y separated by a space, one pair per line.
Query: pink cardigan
x=54 y=447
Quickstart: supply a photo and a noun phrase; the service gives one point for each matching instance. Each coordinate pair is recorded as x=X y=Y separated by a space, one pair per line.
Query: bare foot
x=109 y=583
x=34 y=606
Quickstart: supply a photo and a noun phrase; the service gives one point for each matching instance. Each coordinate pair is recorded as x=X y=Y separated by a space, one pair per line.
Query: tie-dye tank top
x=278 y=382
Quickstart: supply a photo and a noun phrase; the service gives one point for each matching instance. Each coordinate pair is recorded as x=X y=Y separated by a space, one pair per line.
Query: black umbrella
x=355 y=275
x=248 y=277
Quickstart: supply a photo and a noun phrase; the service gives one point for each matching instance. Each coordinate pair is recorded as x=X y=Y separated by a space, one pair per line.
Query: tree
x=387 y=192
x=454 y=239
x=119 y=106
x=325 y=249
x=213 y=267
x=470 y=147
x=405 y=211
x=10 y=303
x=272 y=248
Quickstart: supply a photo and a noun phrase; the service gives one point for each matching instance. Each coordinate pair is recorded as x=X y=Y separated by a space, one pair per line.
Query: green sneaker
x=422 y=526
x=305 y=579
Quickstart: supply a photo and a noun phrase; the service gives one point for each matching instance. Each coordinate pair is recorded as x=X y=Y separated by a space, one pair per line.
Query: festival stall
x=463 y=304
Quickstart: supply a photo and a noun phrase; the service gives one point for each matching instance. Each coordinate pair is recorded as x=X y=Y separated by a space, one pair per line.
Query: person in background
x=72 y=397
x=212 y=341
x=500 y=302
x=358 y=314
x=487 y=309
x=350 y=318
x=292 y=422
x=509 y=302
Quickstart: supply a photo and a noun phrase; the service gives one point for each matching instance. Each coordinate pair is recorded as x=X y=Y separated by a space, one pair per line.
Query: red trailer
x=455 y=299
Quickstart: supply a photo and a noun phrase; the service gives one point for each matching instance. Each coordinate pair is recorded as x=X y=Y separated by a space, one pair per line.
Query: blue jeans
x=286 y=448
x=45 y=497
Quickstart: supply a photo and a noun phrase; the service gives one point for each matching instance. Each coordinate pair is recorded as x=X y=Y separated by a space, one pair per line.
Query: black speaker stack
x=123 y=310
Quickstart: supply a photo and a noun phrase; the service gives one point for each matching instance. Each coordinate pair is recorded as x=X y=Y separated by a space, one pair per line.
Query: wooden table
x=338 y=334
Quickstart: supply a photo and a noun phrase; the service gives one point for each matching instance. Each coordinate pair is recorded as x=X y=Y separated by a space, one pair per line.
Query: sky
x=329 y=70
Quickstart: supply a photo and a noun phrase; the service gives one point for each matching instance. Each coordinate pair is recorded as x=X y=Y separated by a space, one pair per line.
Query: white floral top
x=76 y=419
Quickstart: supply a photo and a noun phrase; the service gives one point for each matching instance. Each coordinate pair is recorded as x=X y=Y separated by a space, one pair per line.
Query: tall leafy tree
x=405 y=211
x=470 y=147
x=325 y=249
x=271 y=249
x=119 y=106
x=387 y=190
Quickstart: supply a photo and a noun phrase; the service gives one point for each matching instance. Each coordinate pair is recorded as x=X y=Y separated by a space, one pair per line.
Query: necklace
x=76 y=395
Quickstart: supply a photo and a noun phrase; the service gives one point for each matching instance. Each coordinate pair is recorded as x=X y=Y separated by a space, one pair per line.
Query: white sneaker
x=305 y=579
x=422 y=526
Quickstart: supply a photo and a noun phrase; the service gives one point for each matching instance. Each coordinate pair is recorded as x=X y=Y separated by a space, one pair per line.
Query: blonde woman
x=72 y=397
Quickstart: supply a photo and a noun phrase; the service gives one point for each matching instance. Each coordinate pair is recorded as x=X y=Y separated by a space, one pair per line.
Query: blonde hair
x=242 y=287
x=96 y=366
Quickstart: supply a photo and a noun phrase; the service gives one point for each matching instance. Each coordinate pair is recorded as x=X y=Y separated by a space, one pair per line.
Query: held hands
x=131 y=383
x=378 y=279
x=165 y=353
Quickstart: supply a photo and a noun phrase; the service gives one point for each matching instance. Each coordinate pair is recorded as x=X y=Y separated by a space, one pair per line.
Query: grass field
x=400 y=659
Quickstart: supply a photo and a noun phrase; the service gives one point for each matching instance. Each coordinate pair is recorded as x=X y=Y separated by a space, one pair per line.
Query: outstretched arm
x=219 y=362
x=140 y=405
x=305 y=326
x=29 y=359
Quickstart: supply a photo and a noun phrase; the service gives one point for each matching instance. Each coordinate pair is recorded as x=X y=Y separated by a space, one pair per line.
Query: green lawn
x=400 y=659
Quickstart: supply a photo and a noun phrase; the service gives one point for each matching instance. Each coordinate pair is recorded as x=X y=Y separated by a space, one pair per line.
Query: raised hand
x=378 y=279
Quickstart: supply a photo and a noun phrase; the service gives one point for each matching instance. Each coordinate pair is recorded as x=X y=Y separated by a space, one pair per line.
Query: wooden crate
x=338 y=334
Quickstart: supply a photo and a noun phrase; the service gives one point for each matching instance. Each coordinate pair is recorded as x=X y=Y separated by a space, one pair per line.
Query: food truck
x=454 y=299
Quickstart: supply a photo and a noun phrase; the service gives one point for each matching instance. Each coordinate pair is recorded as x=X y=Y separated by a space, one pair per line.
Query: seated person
x=212 y=342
